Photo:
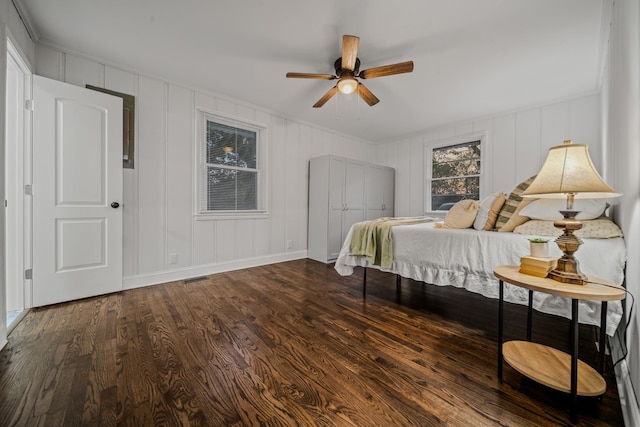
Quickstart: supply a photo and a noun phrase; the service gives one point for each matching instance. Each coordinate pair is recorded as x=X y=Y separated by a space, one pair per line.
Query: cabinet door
x=380 y=192
x=354 y=196
x=354 y=185
x=334 y=234
x=375 y=192
x=337 y=171
x=388 y=192
x=337 y=206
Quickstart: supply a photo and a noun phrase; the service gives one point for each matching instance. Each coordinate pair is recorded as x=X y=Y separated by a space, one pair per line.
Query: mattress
x=466 y=258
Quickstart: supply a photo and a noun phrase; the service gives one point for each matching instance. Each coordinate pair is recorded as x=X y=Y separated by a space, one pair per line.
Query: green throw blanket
x=373 y=238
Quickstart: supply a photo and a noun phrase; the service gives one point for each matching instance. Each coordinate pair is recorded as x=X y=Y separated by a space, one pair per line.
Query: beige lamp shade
x=569 y=170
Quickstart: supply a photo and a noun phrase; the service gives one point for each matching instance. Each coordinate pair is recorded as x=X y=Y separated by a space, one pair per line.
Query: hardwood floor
x=278 y=345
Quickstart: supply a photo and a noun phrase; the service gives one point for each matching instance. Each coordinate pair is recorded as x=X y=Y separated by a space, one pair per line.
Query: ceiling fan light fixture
x=347 y=85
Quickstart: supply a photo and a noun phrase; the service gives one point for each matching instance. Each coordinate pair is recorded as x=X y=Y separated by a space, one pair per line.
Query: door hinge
x=28 y=190
x=28 y=274
x=28 y=104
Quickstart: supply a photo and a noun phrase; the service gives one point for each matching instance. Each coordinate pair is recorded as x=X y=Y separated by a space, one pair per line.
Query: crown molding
x=27 y=20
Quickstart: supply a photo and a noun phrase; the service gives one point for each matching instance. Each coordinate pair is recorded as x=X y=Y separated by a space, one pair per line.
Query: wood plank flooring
x=290 y=344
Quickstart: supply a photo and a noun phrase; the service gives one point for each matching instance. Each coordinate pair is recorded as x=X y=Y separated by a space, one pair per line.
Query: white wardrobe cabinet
x=342 y=192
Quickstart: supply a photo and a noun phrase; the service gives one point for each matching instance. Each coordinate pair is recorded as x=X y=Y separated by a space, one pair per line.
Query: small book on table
x=537 y=266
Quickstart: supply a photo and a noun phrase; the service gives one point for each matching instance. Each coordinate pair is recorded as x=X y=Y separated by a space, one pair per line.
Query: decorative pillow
x=461 y=215
x=488 y=211
x=512 y=202
x=602 y=228
x=548 y=209
x=516 y=218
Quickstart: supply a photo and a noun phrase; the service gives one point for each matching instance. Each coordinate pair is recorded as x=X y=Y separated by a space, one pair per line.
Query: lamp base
x=567 y=270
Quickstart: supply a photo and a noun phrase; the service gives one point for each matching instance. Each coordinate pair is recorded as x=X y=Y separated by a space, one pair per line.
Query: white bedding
x=466 y=259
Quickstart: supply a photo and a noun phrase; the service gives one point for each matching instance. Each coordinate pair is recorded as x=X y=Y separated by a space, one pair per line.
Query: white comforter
x=466 y=259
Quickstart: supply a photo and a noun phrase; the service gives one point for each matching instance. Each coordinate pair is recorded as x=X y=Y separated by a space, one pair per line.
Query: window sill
x=231 y=215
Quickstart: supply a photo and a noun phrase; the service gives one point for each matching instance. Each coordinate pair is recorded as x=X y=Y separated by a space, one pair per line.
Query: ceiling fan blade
x=387 y=70
x=366 y=95
x=349 y=52
x=311 y=76
x=327 y=96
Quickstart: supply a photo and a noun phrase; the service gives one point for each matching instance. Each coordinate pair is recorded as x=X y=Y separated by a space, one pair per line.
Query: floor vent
x=195 y=279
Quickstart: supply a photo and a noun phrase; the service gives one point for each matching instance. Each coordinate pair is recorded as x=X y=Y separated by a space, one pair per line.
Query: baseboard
x=17 y=320
x=142 y=280
x=628 y=398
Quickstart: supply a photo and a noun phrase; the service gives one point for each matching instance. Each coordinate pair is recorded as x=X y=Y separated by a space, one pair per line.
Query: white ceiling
x=472 y=57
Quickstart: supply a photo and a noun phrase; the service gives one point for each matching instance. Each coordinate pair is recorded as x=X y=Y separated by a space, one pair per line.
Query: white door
x=77 y=192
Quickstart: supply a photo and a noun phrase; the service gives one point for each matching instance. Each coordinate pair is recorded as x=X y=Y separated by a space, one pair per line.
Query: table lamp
x=569 y=173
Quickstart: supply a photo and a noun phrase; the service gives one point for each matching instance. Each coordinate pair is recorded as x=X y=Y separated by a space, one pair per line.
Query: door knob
x=115 y=205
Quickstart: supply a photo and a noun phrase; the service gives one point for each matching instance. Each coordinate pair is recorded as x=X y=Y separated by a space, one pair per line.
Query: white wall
x=516 y=146
x=621 y=124
x=10 y=26
x=158 y=193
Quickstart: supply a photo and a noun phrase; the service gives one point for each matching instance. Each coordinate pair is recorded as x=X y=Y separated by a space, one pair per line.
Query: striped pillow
x=512 y=203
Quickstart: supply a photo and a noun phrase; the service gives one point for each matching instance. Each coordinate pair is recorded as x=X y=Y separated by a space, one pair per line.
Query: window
x=455 y=174
x=231 y=173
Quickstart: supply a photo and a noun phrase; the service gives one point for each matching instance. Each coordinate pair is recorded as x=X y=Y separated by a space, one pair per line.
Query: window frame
x=200 y=212
x=442 y=143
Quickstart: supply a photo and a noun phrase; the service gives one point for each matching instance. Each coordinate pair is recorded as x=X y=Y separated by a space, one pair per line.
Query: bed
x=465 y=258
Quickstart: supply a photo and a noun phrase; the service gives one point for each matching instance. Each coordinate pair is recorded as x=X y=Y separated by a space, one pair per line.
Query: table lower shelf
x=552 y=367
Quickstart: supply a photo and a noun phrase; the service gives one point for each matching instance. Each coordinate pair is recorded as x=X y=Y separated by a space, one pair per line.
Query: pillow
x=512 y=202
x=548 y=209
x=602 y=228
x=488 y=211
x=461 y=215
x=516 y=218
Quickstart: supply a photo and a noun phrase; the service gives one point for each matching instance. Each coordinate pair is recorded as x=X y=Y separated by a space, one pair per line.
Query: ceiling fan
x=348 y=69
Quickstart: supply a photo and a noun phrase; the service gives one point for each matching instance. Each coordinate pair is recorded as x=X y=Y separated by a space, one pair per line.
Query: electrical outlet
x=173 y=258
